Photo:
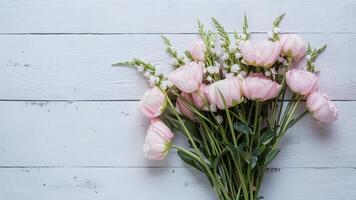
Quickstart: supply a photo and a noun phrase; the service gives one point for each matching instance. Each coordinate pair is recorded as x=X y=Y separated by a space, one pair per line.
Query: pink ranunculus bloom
x=321 y=107
x=153 y=103
x=158 y=140
x=302 y=81
x=229 y=88
x=183 y=102
x=188 y=78
x=258 y=87
x=198 y=51
x=260 y=54
x=293 y=46
x=200 y=98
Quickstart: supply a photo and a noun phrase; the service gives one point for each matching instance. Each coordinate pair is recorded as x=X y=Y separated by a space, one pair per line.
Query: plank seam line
x=156 y=167
x=110 y=100
x=166 y=33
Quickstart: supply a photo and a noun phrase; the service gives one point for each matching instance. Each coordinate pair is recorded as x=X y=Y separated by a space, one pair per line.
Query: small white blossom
x=308 y=57
x=270 y=34
x=243 y=36
x=232 y=47
x=140 y=68
x=147 y=74
x=238 y=55
x=224 y=57
x=267 y=73
x=166 y=84
x=209 y=79
x=213 y=69
x=219 y=118
x=213 y=108
x=153 y=80
x=243 y=74
x=235 y=68
x=276 y=30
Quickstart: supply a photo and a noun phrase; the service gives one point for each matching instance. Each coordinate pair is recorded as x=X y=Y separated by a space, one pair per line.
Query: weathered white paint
x=179 y=16
x=92 y=149
x=166 y=183
x=77 y=67
x=112 y=134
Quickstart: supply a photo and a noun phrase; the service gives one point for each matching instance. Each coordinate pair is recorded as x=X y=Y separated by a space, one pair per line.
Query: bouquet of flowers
x=234 y=99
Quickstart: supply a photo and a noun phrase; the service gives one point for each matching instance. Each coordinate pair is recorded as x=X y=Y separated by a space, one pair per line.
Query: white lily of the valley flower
x=224 y=57
x=213 y=69
x=140 y=68
x=238 y=55
x=213 y=108
x=243 y=36
x=147 y=74
x=276 y=30
x=153 y=80
x=308 y=57
x=267 y=73
x=209 y=79
x=219 y=118
x=235 y=68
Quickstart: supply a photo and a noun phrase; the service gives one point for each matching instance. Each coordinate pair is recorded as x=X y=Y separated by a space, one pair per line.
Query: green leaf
x=190 y=160
x=257 y=151
x=278 y=20
x=267 y=136
x=240 y=127
x=218 y=158
x=272 y=154
x=253 y=161
x=221 y=31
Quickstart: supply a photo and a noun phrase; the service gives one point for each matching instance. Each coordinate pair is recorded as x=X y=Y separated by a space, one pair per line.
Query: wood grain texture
x=112 y=134
x=168 y=183
x=77 y=67
x=179 y=16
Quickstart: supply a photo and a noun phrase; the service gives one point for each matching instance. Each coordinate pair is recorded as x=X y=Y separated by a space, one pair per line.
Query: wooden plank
x=152 y=16
x=77 y=67
x=172 y=183
x=112 y=134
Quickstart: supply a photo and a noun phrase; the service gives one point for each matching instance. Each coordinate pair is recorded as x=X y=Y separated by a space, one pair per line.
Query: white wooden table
x=69 y=124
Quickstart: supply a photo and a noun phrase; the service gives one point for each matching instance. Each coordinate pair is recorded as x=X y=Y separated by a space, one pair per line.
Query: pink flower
x=153 y=103
x=188 y=78
x=200 y=97
x=158 y=140
x=293 y=46
x=198 y=51
x=182 y=104
x=230 y=89
x=259 y=88
x=301 y=81
x=321 y=107
x=262 y=54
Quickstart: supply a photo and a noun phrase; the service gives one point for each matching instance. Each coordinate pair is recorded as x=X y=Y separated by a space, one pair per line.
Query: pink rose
x=259 y=88
x=188 y=78
x=200 y=97
x=183 y=102
x=321 y=107
x=262 y=54
x=293 y=46
x=153 y=103
x=230 y=89
x=198 y=51
x=302 y=81
x=158 y=140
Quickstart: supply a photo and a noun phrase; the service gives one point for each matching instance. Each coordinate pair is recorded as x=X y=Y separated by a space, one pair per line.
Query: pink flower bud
x=258 y=87
x=188 y=78
x=321 y=107
x=158 y=140
x=153 y=103
x=262 y=54
x=198 y=51
x=200 y=98
x=183 y=103
x=301 y=81
x=293 y=46
x=230 y=89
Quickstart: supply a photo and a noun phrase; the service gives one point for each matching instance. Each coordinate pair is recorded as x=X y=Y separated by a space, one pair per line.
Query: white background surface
x=69 y=124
